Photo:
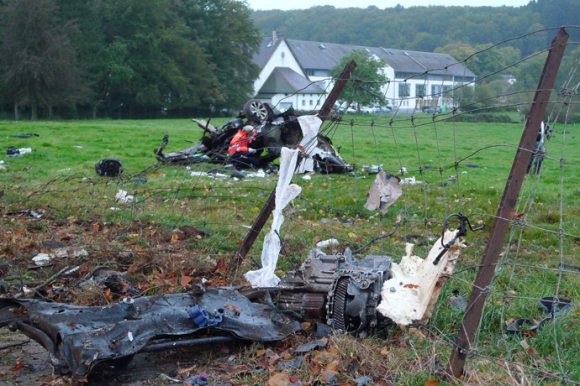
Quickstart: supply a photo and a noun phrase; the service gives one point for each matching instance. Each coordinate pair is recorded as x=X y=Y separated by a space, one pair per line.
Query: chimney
x=274 y=37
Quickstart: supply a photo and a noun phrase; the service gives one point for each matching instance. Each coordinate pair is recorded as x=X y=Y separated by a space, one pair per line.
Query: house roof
x=324 y=56
x=284 y=80
x=266 y=50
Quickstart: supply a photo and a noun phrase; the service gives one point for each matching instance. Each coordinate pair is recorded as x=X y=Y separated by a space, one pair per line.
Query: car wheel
x=255 y=110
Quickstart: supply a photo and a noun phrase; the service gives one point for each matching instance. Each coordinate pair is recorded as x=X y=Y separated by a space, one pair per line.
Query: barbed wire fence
x=528 y=331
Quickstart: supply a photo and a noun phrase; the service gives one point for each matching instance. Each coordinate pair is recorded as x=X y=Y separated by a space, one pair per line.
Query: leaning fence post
x=476 y=302
x=268 y=207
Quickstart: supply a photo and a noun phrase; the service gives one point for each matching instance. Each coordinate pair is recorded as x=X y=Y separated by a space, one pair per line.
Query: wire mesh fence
x=451 y=146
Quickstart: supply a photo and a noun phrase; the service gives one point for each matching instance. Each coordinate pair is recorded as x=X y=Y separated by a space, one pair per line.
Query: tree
x=37 y=61
x=463 y=96
x=152 y=62
x=369 y=78
x=483 y=98
x=227 y=34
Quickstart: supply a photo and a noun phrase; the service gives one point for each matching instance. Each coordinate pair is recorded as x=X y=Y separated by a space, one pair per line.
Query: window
x=447 y=90
x=420 y=90
x=466 y=79
x=434 y=77
x=404 y=89
x=303 y=102
x=309 y=72
x=311 y=102
x=435 y=89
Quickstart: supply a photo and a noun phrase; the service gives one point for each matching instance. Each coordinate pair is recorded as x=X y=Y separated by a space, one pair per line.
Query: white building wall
x=282 y=57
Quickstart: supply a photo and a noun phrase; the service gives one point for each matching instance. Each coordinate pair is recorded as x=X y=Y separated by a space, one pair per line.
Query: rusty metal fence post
x=476 y=302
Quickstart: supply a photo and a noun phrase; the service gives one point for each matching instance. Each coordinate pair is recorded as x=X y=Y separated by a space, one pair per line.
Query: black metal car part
x=79 y=338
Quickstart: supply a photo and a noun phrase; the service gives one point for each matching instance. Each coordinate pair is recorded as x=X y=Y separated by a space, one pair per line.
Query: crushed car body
x=274 y=131
x=78 y=339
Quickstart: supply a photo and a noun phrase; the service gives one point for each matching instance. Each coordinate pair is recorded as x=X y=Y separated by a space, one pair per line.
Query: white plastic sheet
x=122 y=197
x=285 y=192
x=310 y=125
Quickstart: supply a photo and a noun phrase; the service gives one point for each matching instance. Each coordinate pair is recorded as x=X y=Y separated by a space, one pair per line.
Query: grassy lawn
x=59 y=180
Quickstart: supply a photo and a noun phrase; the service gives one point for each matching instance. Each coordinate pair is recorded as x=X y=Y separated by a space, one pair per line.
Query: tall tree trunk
x=16 y=111
x=34 y=114
x=50 y=114
x=95 y=112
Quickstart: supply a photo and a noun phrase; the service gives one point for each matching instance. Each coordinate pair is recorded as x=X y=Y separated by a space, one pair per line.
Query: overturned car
x=274 y=131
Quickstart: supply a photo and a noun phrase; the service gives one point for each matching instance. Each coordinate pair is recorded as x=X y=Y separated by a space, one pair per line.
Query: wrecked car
x=351 y=295
x=275 y=130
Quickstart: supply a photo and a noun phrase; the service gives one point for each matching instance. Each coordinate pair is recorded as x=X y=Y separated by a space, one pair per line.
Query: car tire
x=254 y=110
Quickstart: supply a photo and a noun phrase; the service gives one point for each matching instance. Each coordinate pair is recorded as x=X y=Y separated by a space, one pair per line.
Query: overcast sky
x=304 y=4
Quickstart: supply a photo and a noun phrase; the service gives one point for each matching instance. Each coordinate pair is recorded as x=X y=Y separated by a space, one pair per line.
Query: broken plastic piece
x=202 y=318
x=415 y=299
x=326 y=243
x=384 y=192
x=122 y=197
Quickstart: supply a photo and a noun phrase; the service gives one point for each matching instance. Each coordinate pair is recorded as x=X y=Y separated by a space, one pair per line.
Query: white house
x=296 y=73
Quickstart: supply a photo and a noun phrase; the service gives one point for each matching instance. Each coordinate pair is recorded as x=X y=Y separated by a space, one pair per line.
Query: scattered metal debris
x=352 y=295
x=29 y=211
x=275 y=130
x=80 y=338
x=550 y=305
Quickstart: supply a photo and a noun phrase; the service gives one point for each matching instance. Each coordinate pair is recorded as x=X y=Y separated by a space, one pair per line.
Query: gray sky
x=304 y=4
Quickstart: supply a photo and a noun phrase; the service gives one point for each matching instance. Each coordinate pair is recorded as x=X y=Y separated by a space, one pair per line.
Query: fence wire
x=454 y=161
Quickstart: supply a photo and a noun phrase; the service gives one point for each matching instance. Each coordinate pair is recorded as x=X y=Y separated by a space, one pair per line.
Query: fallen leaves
x=185 y=280
x=108 y=295
x=220 y=266
x=18 y=366
x=279 y=379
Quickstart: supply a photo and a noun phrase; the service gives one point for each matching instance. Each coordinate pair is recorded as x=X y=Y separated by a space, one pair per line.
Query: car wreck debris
x=275 y=130
x=339 y=288
x=384 y=192
x=356 y=296
x=285 y=192
x=80 y=338
x=417 y=283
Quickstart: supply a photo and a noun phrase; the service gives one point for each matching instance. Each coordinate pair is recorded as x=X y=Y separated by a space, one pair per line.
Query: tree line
x=424 y=28
x=175 y=58
x=459 y=31
x=125 y=58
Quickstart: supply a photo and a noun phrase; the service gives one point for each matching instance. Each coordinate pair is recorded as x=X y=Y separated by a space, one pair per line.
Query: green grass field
x=59 y=179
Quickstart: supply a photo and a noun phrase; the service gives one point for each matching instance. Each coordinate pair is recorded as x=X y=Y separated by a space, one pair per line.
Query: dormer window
x=322 y=46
